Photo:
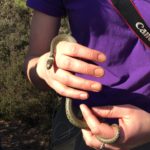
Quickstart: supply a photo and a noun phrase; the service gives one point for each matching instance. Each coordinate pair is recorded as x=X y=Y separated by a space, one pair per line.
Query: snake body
x=73 y=119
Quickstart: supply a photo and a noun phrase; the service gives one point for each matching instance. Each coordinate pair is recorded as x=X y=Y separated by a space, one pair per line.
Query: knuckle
x=85 y=84
x=64 y=63
x=67 y=92
x=94 y=55
x=62 y=91
x=66 y=80
x=108 y=111
x=74 y=49
x=67 y=63
x=67 y=47
x=88 y=69
x=82 y=84
x=85 y=68
x=91 y=54
x=95 y=130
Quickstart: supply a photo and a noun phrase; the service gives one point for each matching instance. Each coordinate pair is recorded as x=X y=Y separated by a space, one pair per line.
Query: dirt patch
x=16 y=135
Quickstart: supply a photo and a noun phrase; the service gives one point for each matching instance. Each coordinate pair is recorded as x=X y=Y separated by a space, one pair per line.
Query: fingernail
x=82 y=107
x=96 y=87
x=83 y=96
x=101 y=57
x=99 y=72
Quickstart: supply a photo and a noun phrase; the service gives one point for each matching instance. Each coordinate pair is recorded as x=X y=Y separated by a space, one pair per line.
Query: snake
x=71 y=116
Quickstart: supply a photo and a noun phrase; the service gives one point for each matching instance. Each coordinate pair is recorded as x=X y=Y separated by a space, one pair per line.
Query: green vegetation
x=18 y=99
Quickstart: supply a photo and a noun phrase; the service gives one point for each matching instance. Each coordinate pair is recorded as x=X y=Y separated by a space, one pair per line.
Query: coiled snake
x=68 y=104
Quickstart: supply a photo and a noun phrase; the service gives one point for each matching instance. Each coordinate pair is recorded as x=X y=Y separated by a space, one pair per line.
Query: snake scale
x=68 y=103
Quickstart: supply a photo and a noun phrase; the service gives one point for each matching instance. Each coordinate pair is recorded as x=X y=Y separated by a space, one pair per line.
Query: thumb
x=111 y=111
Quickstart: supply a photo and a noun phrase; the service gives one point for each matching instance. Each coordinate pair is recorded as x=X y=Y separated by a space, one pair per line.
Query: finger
x=73 y=81
x=78 y=66
x=97 y=128
x=67 y=91
x=90 y=139
x=77 y=50
x=111 y=111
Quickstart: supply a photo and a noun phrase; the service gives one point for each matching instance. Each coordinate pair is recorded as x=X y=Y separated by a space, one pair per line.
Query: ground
x=16 y=135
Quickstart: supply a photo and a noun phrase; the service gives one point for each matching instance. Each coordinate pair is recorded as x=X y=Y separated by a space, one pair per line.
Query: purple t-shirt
x=95 y=24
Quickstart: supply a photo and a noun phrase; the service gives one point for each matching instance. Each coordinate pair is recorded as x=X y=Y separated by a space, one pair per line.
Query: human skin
x=134 y=126
x=60 y=77
x=69 y=59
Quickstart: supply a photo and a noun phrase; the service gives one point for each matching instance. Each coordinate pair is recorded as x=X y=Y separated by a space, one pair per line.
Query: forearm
x=43 y=29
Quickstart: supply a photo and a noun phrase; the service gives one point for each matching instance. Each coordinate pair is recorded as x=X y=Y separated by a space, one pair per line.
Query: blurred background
x=25 y=112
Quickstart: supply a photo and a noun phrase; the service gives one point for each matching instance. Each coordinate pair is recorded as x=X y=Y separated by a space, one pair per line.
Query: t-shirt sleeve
x=49 y=7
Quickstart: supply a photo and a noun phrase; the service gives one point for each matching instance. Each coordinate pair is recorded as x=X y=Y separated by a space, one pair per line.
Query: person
x=107 y=70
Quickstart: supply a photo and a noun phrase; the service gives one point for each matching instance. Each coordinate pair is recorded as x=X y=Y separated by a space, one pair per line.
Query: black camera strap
x=133 y=19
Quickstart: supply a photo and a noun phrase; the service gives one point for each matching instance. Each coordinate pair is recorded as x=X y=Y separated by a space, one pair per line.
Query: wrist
x=35 y=74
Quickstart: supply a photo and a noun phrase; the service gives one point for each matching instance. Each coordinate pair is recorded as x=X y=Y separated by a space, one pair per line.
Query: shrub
x=19 y=99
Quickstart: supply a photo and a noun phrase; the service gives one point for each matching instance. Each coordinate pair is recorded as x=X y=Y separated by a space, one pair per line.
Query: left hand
x=134 y=126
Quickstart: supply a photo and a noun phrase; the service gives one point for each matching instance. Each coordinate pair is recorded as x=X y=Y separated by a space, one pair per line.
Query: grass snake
x=71 y=116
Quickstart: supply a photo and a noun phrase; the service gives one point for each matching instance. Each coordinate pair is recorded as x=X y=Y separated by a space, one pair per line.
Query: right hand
x=67 y=62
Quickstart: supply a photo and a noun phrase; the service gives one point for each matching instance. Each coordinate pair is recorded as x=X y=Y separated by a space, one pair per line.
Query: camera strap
x=133 y=19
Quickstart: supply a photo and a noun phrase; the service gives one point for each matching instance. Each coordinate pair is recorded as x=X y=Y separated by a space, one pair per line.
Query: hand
x=68 y=61
x=134 y=126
